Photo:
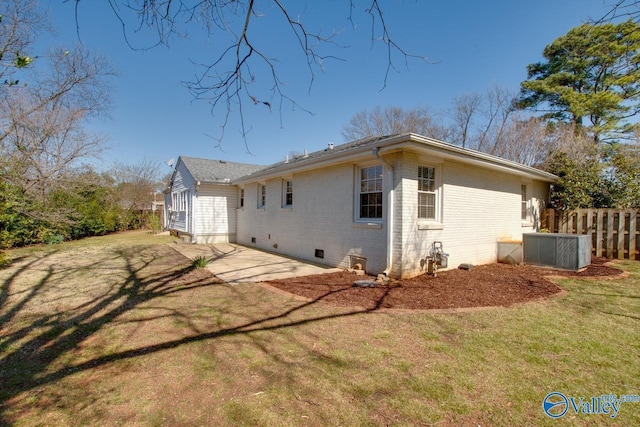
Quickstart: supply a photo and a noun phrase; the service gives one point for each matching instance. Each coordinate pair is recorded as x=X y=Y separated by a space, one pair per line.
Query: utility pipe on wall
x=376 y=154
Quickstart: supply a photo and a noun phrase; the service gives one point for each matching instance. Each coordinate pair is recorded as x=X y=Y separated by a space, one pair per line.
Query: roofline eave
x=397 y=143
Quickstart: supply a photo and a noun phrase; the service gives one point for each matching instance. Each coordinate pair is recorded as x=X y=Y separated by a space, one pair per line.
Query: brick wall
x=322 y=217
x=478 y=207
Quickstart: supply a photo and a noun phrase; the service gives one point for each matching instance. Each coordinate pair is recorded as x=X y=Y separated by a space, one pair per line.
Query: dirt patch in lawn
x=482 y=286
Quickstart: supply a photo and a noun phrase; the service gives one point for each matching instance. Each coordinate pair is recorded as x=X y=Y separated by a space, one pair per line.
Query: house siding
x=478 y=207
x=215 y=221
x=182 y=180
x=321 y=217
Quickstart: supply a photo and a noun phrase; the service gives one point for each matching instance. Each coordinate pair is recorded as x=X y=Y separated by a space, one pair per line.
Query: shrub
x=199 y=262
x=154 y=223
x=53 y=239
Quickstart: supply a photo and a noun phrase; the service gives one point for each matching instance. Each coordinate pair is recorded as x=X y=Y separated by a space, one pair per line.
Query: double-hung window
x=524 y=203
x=427 y=197
x=288 y=194
x=179 y=200
x=241 y=199
x=262 y=196
x=370 y=195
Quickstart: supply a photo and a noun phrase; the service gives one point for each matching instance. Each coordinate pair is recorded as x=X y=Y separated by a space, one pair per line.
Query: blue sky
x=471 y=45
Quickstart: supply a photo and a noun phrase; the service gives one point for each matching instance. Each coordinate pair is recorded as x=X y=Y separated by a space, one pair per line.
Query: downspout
x=390 y=222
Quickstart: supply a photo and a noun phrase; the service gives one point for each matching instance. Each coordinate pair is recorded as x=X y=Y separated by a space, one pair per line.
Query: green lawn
x=118 y=330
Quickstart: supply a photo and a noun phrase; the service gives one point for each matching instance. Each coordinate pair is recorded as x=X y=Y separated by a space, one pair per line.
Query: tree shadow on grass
x=31 y=350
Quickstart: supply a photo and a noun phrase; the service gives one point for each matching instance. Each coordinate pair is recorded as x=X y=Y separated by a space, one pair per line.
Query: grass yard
x=118 y=330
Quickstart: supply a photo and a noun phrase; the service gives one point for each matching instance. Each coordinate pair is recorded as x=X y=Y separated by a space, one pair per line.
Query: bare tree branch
x=620 y=9
x=392 y=121
x=41 y=124
x=229 y=81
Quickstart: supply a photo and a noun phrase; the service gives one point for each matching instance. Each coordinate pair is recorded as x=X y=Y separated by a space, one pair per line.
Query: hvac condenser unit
x=567 y=251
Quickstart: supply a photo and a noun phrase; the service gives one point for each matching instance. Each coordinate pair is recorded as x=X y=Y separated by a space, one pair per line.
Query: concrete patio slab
x=239 y=264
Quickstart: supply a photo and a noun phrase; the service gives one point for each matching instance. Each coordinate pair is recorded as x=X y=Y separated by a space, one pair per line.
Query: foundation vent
x=357 y=263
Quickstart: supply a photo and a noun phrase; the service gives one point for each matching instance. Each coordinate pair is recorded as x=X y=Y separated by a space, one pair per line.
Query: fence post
x=609 y=248
x=550 y=216
x=590 y=231
x=579 y=221
x=599 y=231
x=632 y=233
x=622 y=216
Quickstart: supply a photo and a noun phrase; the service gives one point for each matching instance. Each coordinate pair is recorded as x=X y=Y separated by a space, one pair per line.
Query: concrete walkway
x=239 y=264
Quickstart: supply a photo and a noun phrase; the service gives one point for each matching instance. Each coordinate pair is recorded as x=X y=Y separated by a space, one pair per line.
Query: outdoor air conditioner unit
x=566 y=251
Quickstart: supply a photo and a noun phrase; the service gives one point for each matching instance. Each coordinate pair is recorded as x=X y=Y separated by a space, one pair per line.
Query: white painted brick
x=478 y=207
x=321 y=217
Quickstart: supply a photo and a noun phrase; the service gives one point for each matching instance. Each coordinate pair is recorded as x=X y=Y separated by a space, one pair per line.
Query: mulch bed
x=482 y=286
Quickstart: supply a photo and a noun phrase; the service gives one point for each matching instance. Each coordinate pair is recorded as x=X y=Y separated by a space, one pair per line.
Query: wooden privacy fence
x=614 y=232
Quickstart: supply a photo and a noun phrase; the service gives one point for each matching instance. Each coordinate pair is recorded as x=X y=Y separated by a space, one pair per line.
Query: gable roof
x=217 y=171
x=356 y=150
x=337 y=150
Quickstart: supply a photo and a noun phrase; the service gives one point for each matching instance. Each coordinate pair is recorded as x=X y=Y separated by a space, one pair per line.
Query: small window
x=288 y=193
x=185 y=200
x=262 y=195
x=370 y=196
x=241 y=201
x=524 y=203
x=427 y=193
x=179 y=200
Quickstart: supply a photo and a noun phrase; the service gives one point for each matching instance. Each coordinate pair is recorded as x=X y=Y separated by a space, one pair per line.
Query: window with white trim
x=524 y=203
x=179 y=200
x=262 y=196
x=427 y=196
x=241 y=198
x=370 y=194
x=287 y=193
x=185 y=200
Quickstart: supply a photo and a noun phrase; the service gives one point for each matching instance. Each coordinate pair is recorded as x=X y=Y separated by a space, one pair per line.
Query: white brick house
x=383 y=201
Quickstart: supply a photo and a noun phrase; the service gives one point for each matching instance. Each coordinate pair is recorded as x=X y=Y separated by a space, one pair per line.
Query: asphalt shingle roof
x=217 y=171
x=220 y=171
x=325 y=152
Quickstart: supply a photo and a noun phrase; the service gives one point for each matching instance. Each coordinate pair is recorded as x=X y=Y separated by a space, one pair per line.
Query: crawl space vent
x=357 y=263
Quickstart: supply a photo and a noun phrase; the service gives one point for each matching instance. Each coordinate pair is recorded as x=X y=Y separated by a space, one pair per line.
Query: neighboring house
x=201 y=202
x=381 y=202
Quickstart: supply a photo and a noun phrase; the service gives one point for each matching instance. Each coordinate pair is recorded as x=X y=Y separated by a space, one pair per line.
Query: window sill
x=369 y=225
x=431 y=226
x=286 y=208
x=526 y=224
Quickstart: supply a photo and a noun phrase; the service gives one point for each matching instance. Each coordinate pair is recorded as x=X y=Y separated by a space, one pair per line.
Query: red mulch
x=482 y=286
